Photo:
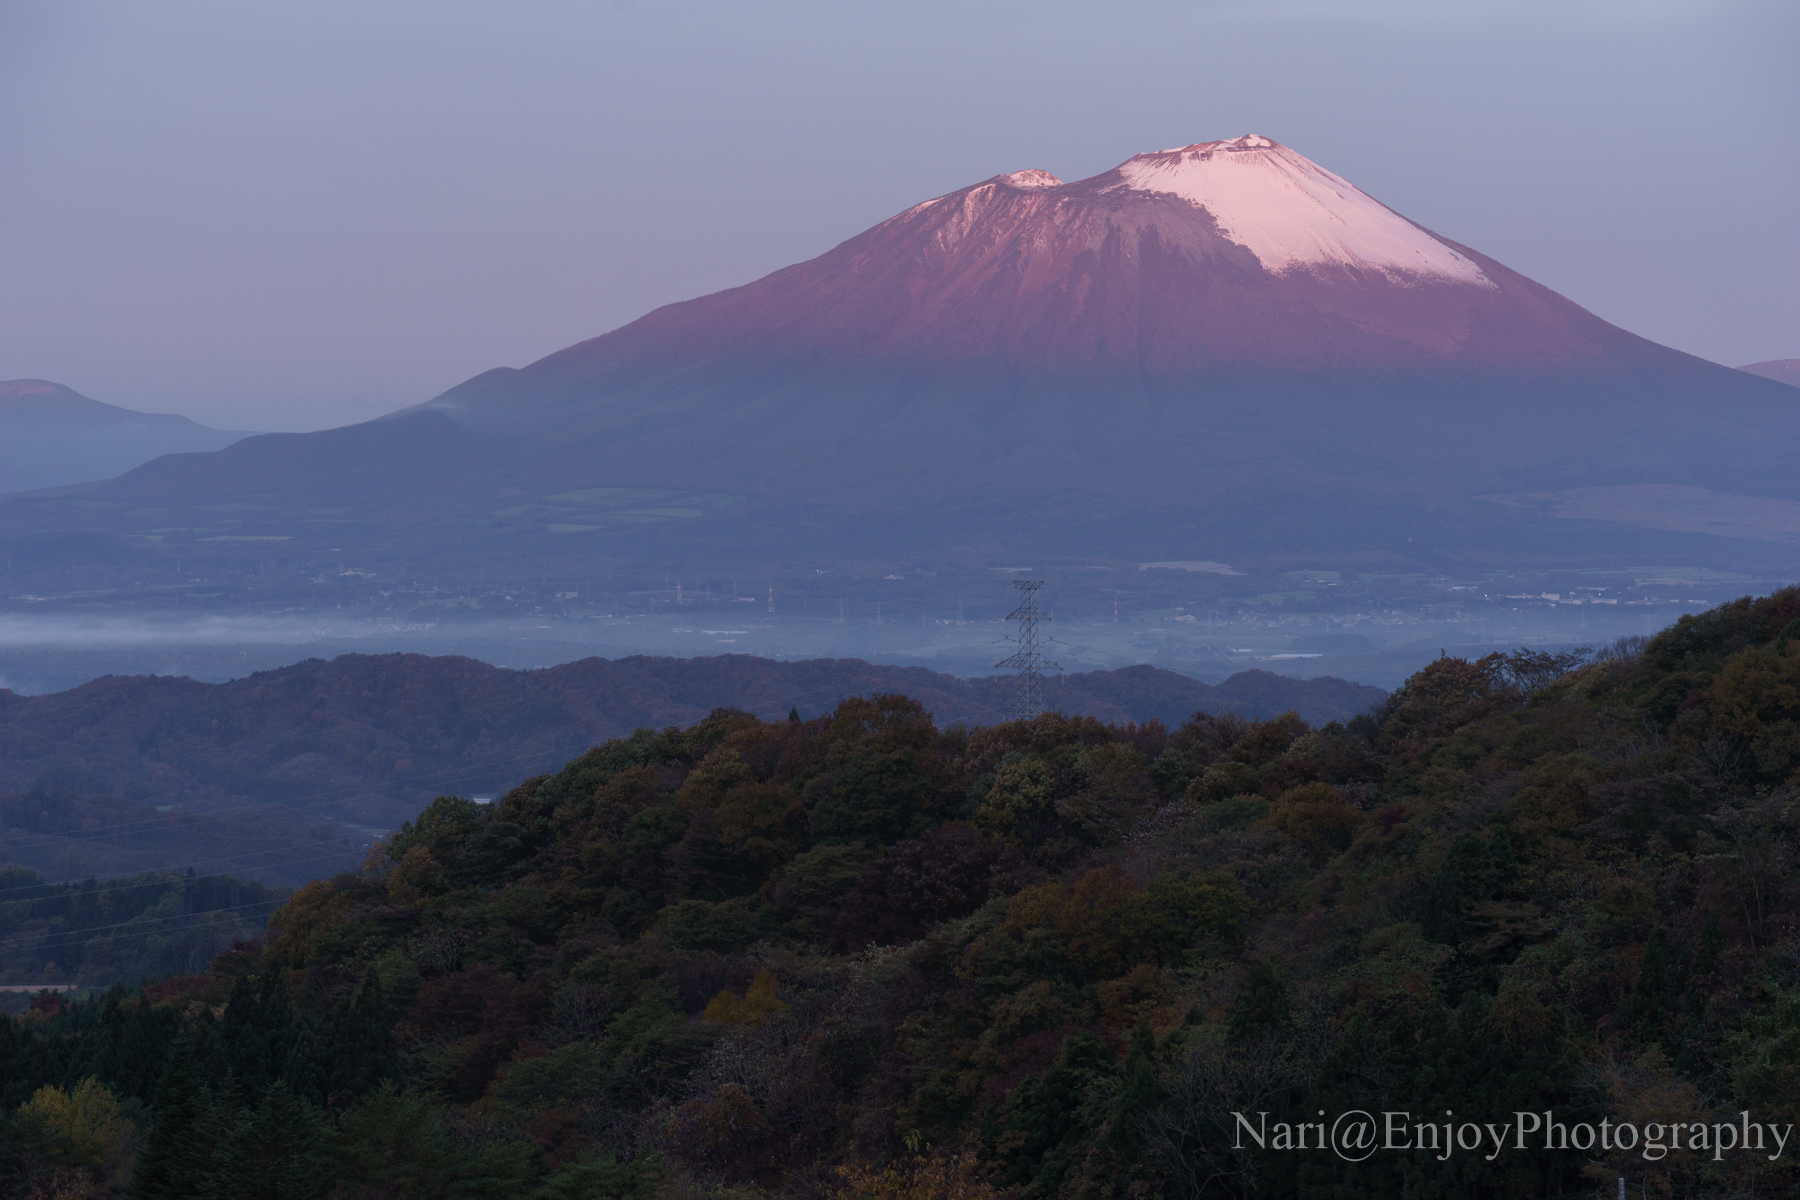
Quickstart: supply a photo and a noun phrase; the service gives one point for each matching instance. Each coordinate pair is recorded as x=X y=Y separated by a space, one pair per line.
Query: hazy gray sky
x=293 y=215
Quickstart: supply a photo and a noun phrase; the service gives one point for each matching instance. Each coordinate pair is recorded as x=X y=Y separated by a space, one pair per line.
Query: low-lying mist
x=1381 y=647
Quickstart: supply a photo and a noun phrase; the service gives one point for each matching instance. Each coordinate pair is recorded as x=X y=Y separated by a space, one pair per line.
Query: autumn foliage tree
x=858 y=956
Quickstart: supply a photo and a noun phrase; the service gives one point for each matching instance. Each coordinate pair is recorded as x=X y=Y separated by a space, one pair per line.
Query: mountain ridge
x=393 y=730
x=1781 y=370
x=53 y=436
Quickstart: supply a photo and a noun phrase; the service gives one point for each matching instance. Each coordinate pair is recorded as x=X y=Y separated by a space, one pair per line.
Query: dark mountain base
x=1460 y=477
x=248 y=559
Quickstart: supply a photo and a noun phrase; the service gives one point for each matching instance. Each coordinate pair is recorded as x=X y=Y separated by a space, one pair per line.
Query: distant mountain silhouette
x=1781 y=370
x=368 y=739
x=51 y=436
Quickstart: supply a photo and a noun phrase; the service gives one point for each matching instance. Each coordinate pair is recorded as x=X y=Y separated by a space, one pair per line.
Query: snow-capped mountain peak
x=1292 y=213
x=1235 y=262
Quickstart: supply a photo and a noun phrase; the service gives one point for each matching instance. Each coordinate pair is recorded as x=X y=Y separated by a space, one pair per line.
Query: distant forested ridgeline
x=858 y=954
x=140 y=927
x=67 y=829
x=370 y=739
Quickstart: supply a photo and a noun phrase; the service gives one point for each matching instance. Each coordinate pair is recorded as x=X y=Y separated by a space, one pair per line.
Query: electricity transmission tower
x=1029 y=662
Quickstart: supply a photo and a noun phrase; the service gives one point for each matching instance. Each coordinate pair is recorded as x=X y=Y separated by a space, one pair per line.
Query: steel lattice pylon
x=1029 y=661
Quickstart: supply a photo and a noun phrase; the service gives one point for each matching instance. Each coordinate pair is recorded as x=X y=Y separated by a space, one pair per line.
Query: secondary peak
x=1249 y=141
x=1031 y=179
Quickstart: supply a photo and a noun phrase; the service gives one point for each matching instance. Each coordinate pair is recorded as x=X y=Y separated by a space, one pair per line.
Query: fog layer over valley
x=1202 y=618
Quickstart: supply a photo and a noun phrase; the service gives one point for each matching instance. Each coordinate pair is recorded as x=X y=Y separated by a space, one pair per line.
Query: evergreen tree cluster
x=859 y=955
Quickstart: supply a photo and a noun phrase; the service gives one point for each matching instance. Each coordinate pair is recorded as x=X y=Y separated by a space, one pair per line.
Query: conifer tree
x=1048 y=1121
x=1645 y=999
x=144 y=1049
x=1712 y=940
x=243 y=1030
x=275 y=1017
x=130 y=1046
x=175 y=1163
x=306 y=1068
x=32 y=1067
x=220 y=1125
x=206 y=1044
x=11 y=1095
x=362 y=1041
x=274 y=1152
x=1139 y=1093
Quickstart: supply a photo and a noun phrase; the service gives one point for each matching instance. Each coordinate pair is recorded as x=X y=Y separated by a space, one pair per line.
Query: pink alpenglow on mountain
x=1230 y=302
x=1781 y=370
x=1223 y=333
x=1294 y=214
x=1221 y=256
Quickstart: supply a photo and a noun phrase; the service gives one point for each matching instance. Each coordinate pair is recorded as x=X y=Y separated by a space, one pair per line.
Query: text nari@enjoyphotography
x=1356 y=1135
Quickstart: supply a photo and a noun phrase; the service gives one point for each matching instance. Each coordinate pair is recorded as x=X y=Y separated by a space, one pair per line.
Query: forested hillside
x=282 y=770
x=144 y=926
x=858 y=955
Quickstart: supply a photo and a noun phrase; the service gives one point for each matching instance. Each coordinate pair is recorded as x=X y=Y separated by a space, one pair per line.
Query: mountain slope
x=1222 y=348
x=51 y=435
x=1211 y=258
x=1228 y=300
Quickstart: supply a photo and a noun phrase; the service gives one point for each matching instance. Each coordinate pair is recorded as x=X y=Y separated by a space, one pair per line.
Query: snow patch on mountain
x=1292 y=213
x=1031 y=179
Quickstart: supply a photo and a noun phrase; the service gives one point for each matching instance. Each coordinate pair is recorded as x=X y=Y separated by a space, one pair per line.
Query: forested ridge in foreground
x=860 y=956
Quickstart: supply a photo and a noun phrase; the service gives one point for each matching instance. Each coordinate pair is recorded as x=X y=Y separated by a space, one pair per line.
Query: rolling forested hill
x=280 y=770
x=860 y=955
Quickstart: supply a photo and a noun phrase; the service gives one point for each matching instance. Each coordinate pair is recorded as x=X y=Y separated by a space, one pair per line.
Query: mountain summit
x=1228 y=302
x=1221 y=343
x=1236 y=256
x=1293 y=214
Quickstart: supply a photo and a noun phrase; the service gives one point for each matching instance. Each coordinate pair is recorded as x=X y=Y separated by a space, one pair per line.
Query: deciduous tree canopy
x=859 y=955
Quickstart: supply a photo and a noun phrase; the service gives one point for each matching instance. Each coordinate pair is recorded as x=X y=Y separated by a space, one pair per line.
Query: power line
x=1028 y=660
x=70 y=935
x=298 y=803
x=164 y=874
x=448 y=774
x=301 y=803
